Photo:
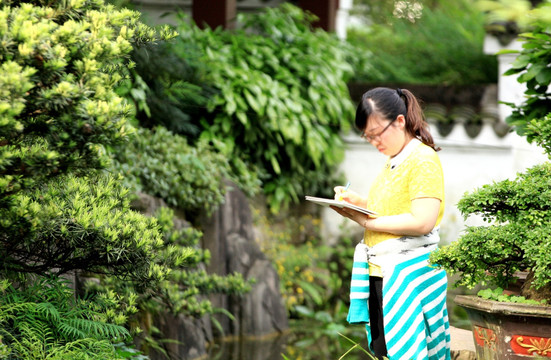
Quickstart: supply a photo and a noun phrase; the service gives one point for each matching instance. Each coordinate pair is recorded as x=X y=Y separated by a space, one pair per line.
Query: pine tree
x=59 y=64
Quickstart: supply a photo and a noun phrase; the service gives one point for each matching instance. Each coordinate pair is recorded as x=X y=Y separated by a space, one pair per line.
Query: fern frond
x=85 y=349
x=70 y=328
x=34 y=341
x=48 y=311
x=70 y=332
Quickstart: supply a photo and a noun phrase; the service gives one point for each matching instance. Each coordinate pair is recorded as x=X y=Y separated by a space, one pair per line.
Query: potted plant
x=509 y=325
x=519 y=239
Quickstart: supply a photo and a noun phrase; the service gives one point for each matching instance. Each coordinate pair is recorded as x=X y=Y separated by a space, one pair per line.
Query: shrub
x=163 y=164
x=170 y=86
x=76 y=224
x=312 y=274
x=191 y=179
x=277 y=98
x=59 y=114
x=315 y=284
x=185 y=290
x=518 y=240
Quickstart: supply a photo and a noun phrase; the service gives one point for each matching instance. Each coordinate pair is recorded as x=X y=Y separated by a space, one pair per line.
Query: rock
x=262 y=311
x=188 y=337
x=230 y=237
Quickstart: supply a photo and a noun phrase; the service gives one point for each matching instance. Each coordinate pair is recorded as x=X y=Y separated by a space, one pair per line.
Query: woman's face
x=389 y=137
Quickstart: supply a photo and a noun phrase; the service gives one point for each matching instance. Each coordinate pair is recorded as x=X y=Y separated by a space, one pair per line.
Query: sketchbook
x=340 y=204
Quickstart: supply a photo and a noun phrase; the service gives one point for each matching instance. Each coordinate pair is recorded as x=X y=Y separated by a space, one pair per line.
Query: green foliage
x=170 y=86
x=538 y=130
x=312 y=275
x=186 y=283
x=519 y=239
x=531 y=66
x=192 y=179
x=320 y=335
x=57 y=105
x=43 y=320
x=59 y=115
x=162 y=164
x=280 y=98
x=300 y=263
x=443 y=46
x=73 y=223
x=185 y=290
x=520 y=12
x=315 y=284
x=498 y=295
x=531 y=63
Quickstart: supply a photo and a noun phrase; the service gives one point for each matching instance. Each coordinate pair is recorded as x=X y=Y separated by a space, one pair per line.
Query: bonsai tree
x=519 y=237
x=519 y=211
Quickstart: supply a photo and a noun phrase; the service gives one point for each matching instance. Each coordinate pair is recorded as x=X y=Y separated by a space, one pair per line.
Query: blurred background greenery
x=422 y=42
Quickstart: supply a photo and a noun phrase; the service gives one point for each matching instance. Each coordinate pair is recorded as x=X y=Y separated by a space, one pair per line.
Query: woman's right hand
x=341 y=194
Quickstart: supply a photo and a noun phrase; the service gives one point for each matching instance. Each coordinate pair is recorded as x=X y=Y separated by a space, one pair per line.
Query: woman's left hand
x=353 y=215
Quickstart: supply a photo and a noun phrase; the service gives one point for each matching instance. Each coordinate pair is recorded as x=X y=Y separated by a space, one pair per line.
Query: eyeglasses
x=372 y=138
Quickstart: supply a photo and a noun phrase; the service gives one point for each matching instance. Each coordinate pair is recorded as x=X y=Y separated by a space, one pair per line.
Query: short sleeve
x=427 y=178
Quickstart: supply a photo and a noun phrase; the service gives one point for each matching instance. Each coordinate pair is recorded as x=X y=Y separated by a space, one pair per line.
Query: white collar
x=406 y=151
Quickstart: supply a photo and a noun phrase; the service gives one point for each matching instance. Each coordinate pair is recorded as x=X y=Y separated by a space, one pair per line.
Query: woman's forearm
x=403 y=224
x=421 y=220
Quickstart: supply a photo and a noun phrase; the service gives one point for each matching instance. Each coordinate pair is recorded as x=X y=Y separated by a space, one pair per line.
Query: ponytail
x=416 y=124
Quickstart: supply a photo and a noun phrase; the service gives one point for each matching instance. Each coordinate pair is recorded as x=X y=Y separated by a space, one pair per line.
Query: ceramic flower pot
x=508 y=330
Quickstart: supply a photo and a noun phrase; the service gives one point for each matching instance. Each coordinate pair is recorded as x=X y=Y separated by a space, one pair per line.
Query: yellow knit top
x=416 y=172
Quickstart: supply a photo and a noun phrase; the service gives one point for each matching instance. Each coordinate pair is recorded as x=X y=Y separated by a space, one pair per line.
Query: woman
x=400 y=298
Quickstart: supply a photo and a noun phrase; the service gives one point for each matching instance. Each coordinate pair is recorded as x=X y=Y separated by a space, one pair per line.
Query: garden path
x=462 y=344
